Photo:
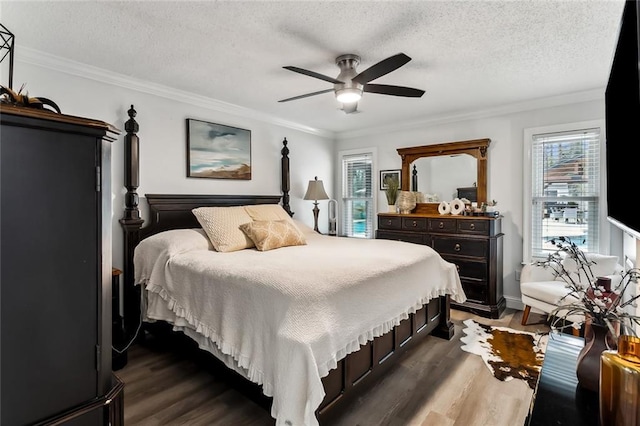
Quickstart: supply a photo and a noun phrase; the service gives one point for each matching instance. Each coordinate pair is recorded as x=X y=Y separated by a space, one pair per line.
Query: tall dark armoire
x=55 y=270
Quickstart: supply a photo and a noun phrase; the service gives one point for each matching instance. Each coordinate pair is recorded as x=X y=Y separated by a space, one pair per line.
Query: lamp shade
x=315 y=191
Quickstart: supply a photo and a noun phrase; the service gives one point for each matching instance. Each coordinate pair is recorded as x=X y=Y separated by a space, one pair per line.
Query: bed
x=313 y=324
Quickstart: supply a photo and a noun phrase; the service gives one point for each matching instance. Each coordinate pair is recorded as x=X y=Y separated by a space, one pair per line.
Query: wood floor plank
x=434 y=384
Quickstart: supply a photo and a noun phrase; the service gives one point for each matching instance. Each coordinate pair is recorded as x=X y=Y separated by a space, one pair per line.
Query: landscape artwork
x=217 y=151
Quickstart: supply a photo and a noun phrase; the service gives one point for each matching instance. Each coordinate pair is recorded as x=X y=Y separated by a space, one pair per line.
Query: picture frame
x=218 y=151
x=385 y=174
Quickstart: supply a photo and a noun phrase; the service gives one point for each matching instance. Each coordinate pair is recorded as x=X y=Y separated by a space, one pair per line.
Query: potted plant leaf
x=391 y=191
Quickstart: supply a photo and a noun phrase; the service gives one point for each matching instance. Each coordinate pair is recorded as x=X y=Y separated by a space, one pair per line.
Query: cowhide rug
x=506 y=352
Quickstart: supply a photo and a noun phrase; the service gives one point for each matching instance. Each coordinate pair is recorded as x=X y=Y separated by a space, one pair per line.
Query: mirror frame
x=477 y=148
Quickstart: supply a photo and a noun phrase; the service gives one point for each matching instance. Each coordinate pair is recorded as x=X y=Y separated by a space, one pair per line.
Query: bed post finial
x=285 y=177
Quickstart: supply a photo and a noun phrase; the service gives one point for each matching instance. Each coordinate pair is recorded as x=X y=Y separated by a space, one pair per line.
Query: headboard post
x=414 y=179
x=132 y=166
x=131 y=222
x=285 y=178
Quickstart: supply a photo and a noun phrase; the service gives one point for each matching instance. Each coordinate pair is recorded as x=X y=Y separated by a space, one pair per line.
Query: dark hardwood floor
x=173 y=385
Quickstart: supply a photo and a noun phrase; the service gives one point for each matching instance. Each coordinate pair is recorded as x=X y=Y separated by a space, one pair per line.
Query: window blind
x=357 y=195
x=565 y=178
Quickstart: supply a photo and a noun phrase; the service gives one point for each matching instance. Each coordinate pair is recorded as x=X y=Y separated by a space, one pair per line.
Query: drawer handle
x=389 y=222
x=472 y=226
x=441 y=225
x=457 y=247
x=414 y=224
x=457 y=267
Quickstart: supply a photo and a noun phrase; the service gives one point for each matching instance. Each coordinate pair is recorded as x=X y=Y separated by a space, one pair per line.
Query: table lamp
x=315 y=192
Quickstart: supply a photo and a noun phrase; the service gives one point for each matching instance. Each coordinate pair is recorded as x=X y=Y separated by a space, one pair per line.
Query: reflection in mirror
x=439 y=178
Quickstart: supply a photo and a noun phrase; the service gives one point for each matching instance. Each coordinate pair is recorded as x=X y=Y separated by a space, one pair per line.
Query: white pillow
x=157 y=249
x=603 y=265
x=222 y=225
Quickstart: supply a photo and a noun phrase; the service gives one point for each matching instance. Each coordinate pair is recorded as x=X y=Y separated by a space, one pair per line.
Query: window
x=357 y=195
x=563 y=188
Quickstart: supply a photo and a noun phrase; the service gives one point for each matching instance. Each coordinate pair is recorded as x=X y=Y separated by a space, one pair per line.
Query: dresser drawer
x=414 y=224
x=442 y=225
x=461 y=246
x=468 y=269
x=389 y=222
x=475 y=291
x=476 y=227
x=400 y=236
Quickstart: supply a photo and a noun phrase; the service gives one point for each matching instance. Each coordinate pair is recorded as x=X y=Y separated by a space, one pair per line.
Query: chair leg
x=525 y=314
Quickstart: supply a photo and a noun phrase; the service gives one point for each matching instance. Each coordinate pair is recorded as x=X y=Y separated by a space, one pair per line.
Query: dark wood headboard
x=169 y=211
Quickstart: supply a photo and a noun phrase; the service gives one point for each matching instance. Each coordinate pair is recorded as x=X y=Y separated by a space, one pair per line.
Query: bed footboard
x=359 y=370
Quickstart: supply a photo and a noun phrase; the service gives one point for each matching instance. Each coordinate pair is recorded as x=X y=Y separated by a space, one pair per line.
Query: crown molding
x=45 y=60
x=42 y=59
x=552 y=101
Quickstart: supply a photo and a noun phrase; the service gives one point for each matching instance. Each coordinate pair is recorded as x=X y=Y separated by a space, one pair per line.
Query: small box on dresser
x=472 y=243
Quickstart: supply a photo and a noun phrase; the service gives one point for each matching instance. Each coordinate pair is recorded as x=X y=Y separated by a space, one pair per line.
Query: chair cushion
x=548 y=291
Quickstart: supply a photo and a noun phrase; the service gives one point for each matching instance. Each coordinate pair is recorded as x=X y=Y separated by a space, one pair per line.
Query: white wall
x=163 y=146
x=505 y=177
x=162 y=135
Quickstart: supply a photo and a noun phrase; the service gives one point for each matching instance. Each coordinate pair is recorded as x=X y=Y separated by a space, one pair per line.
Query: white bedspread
x=287 y=316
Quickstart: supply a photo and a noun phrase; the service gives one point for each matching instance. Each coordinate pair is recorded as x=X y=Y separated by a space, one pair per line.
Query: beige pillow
x=222 y=225
x=273 y=234
x=267 y=212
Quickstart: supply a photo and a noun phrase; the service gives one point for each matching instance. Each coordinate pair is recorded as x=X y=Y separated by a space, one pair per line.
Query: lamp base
x=316 y=212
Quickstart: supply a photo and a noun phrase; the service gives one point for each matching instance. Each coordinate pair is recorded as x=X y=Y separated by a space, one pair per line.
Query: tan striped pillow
x=222 y=226
x=273 y=234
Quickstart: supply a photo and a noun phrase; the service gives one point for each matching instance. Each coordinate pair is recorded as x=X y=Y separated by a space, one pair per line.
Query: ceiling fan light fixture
x=348 y=95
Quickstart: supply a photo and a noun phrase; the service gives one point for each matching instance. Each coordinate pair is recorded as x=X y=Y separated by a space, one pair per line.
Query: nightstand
x=118 y=332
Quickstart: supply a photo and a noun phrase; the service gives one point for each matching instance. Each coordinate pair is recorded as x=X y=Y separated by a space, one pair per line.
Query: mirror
x=446 y=167
x=443 y=178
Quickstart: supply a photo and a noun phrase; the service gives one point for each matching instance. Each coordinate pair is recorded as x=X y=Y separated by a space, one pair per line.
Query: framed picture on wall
x=386 y=175
x=217 y=151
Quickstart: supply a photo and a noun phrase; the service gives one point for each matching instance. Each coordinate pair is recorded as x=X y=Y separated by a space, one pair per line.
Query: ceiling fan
x=349 y=85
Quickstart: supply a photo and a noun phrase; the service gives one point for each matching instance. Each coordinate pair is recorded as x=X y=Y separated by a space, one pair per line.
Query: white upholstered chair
x=542 y=291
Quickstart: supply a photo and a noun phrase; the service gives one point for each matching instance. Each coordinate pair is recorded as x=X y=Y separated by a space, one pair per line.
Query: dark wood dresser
x=472 y=243
x=55 y=307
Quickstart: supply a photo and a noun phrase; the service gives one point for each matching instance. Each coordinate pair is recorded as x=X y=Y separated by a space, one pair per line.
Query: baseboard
x=514 y=303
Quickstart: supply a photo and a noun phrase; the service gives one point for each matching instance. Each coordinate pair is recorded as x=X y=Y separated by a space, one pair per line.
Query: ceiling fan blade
x=381 y=68
x=314 y=74
x=384 y=89
x=306 y=95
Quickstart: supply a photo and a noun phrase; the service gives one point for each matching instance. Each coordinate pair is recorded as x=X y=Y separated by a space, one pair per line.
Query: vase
x=406 y=201
x=392 y=208
x=588 y=363
x=620 y=383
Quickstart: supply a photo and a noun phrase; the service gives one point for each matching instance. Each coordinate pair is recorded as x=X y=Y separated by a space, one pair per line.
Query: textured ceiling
x=467 y=55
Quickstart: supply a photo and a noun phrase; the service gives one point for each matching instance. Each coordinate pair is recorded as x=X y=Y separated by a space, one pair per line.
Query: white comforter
x=287 y=316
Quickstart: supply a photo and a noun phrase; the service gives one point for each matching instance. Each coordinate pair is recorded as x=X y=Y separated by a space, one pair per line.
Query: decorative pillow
x=267 y=212
x=273 y=234
x=222 y=225
x=603 y=265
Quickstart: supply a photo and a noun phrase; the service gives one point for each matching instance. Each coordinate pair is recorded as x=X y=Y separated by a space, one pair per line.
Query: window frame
x=527 y=220
x=374 y=182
